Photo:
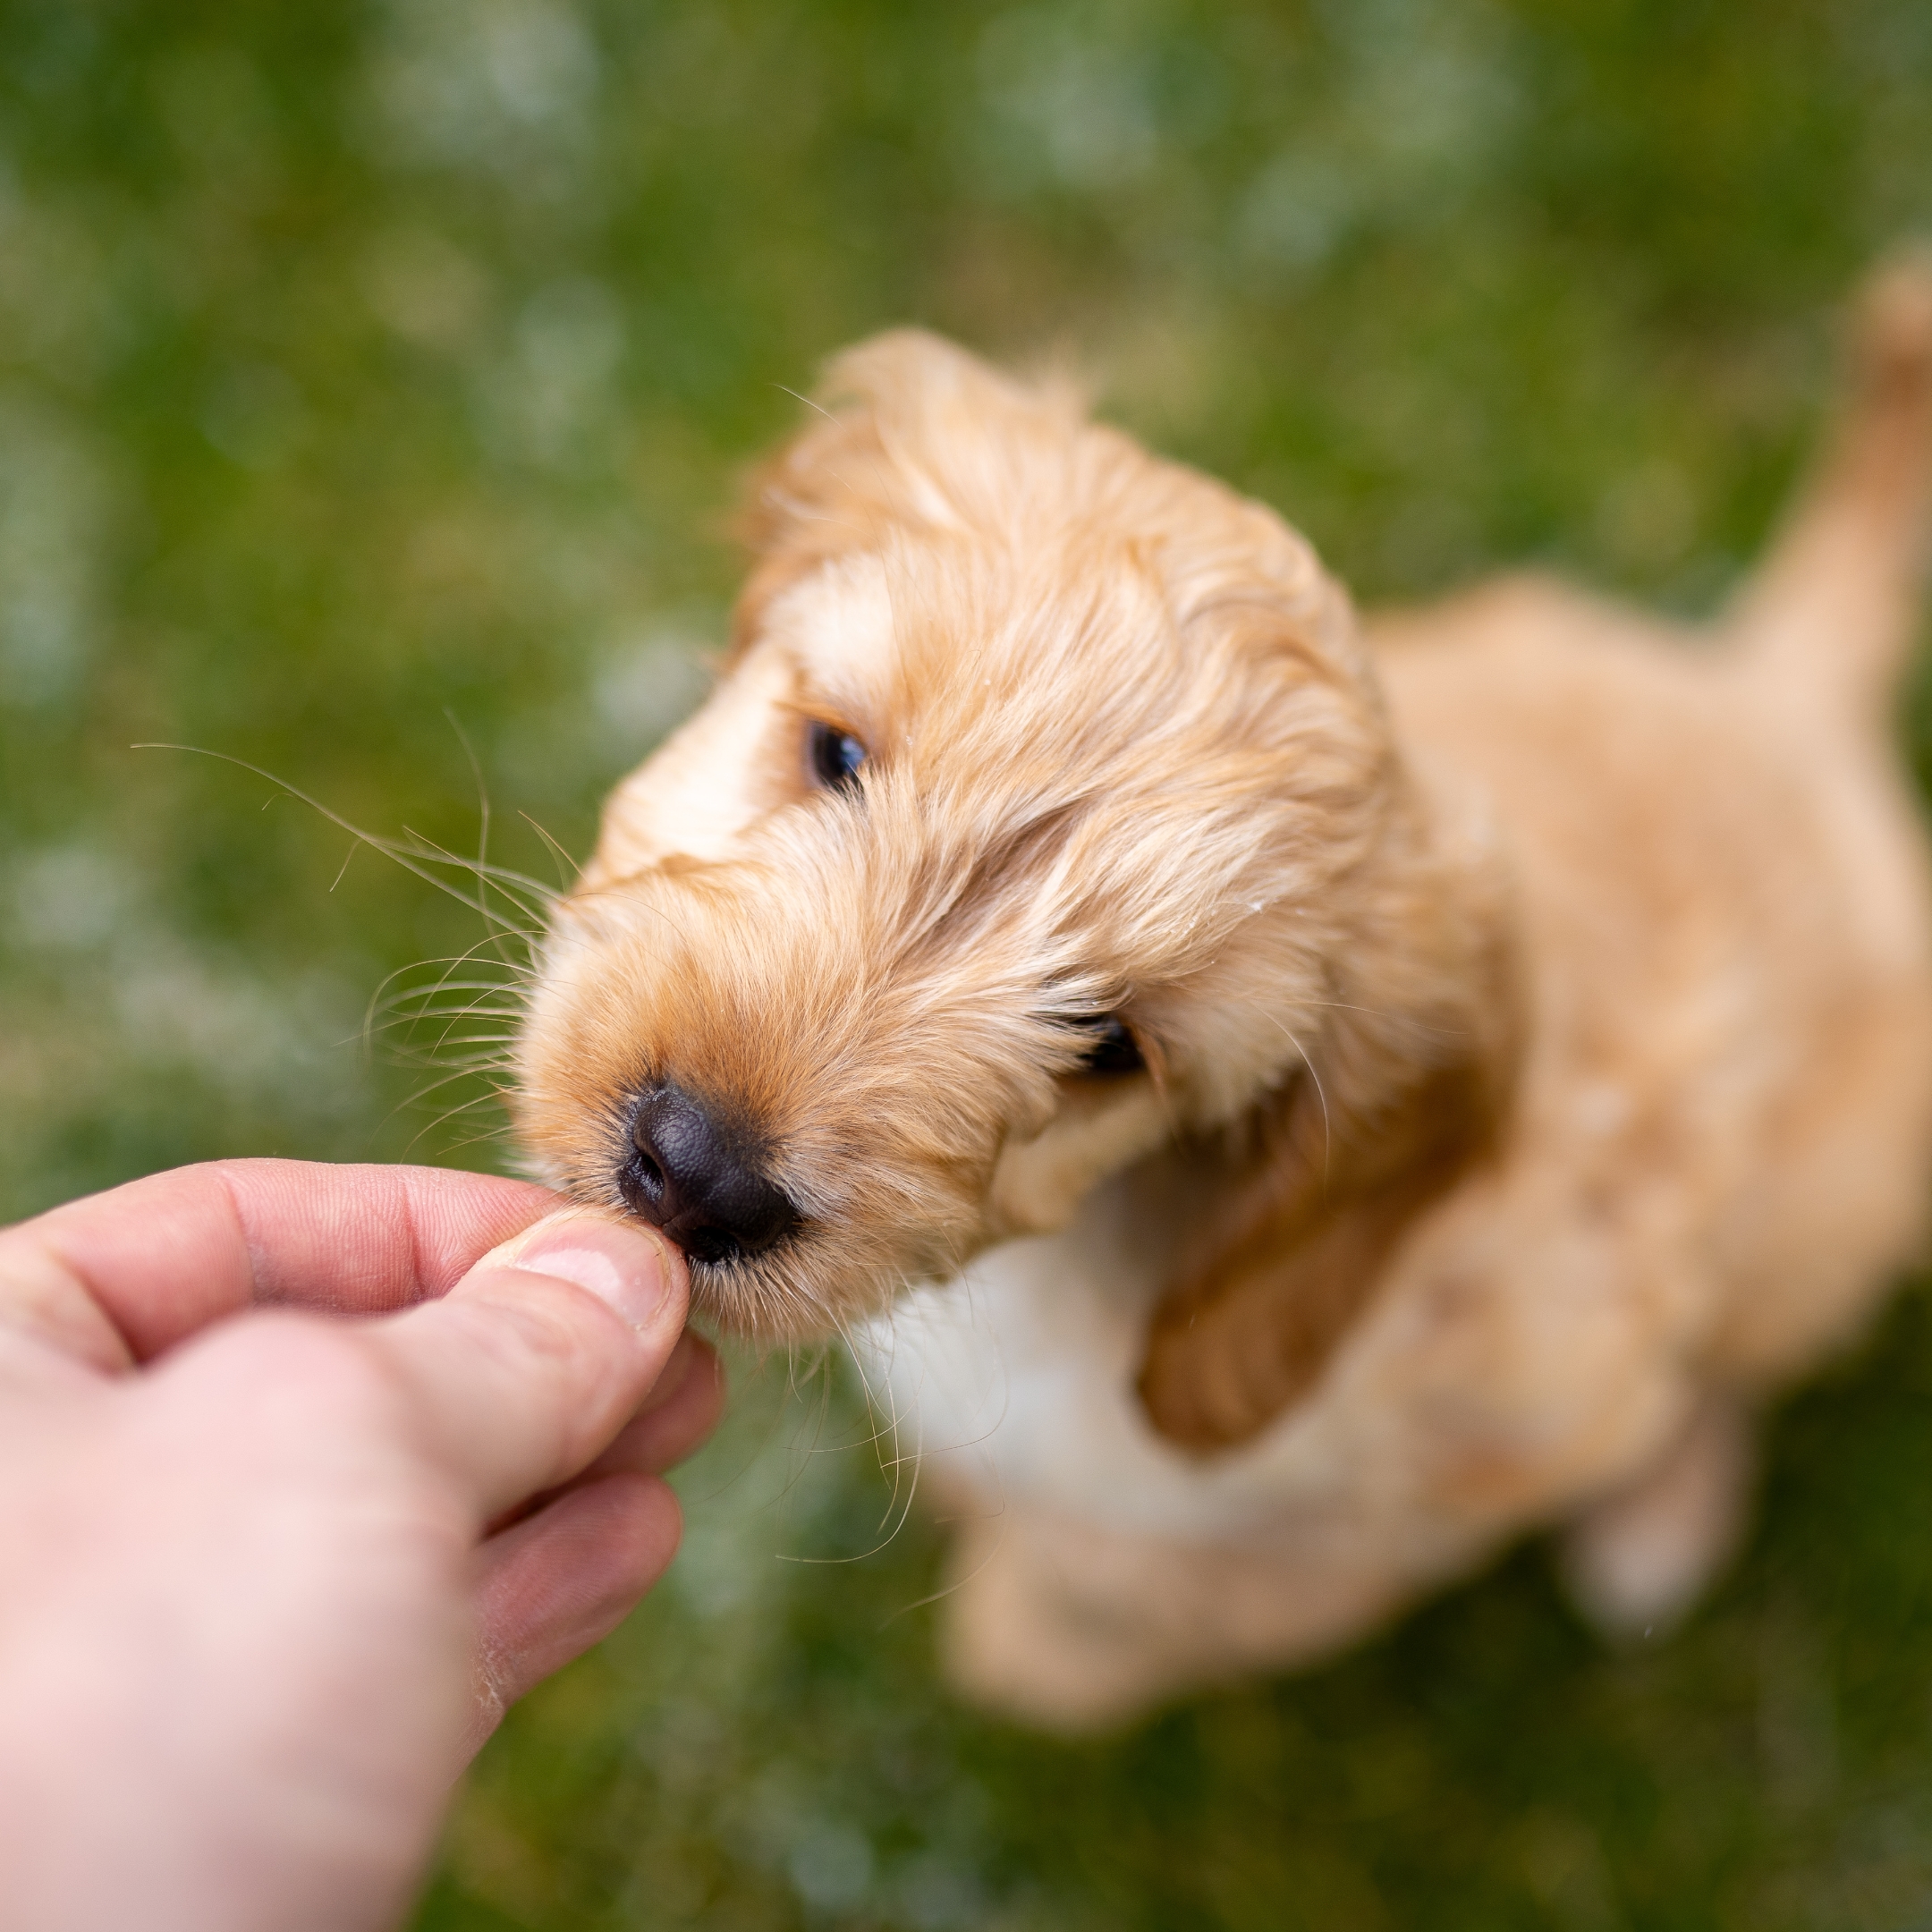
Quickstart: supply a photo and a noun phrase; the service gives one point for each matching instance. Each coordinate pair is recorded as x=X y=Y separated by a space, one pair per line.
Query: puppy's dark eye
x=1114 y=1049
x=835 y=756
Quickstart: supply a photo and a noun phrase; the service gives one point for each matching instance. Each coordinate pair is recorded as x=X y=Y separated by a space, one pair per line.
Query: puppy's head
x=1025 y=830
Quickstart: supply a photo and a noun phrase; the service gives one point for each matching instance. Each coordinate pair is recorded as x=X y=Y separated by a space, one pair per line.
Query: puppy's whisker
x=450 y=1114
x=483 y=819
x=426 y=860
x=958 y=1583
x=427 y=997
x=901 y=1461
x=491 y=1056
x=898 y=1507
x=510 y=882
x=858 y=1557
x=445 y=1078
x=453 y=1053
x=890 y=1427
x=412 y=1007
x=567 y=867
x=507 y=970
x=439 y=1055
x=510 y=885
x=499 y=1029
x=806 y=401
x=410 y=1023
x=508 y=988
x=815 y=1358
x=409 y=859
x=486 y=1137
x=1327 y=1123
x=383 y=1000
x=449 y=1021
x=452 y=1003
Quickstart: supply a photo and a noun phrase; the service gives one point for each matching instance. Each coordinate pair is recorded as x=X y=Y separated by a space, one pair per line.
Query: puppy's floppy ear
x=1397 y=1103
x=908 y=429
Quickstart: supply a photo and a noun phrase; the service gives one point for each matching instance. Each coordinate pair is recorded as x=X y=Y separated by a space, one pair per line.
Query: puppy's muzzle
x=689 y=1173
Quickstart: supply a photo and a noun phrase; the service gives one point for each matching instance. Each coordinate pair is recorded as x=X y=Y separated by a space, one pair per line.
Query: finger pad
x=565 y=1577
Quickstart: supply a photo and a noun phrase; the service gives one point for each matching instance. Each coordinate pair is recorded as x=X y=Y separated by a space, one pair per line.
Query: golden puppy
x=1347 y=1096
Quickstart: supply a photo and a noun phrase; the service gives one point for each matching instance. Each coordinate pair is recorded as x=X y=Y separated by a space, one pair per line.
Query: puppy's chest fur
x=1466 y=1387
x=1015 y=1385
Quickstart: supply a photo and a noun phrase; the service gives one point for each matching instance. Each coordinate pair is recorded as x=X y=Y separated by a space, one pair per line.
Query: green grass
x=363 y=364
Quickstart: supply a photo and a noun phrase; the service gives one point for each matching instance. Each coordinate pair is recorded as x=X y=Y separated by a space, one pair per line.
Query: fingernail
x=621 y=1267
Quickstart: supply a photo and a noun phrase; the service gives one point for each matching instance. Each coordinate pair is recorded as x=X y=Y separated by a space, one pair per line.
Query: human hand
x=306 y=1472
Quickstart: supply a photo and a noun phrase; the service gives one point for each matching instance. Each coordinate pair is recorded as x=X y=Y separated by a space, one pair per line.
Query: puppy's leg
x=1830 y=614
x=1072 y=1628
x=1637 y=1560
x=1029 y=1630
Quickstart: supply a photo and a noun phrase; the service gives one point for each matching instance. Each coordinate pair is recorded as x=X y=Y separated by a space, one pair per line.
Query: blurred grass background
x=362 y=363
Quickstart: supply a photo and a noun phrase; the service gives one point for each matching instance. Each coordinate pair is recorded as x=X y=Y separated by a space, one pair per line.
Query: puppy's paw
x=1636 y=1562
x=1045 y=1625
x=1894 y=319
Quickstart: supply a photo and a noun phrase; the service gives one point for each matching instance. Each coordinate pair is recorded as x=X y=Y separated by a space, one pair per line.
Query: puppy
x=1282 y=1105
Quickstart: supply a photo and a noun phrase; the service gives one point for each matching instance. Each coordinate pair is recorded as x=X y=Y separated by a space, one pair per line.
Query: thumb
x=527 y=1367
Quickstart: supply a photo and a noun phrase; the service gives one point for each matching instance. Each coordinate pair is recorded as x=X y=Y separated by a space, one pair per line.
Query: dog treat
x=1285 y=1104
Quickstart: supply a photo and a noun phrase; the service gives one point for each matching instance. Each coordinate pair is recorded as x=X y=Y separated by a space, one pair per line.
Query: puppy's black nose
x=688 y=1174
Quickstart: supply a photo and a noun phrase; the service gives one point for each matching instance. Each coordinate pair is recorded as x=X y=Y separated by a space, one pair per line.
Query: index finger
x=117 y=1278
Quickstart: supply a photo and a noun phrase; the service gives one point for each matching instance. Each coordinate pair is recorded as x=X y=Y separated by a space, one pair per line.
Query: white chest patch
x=1017 y=1380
